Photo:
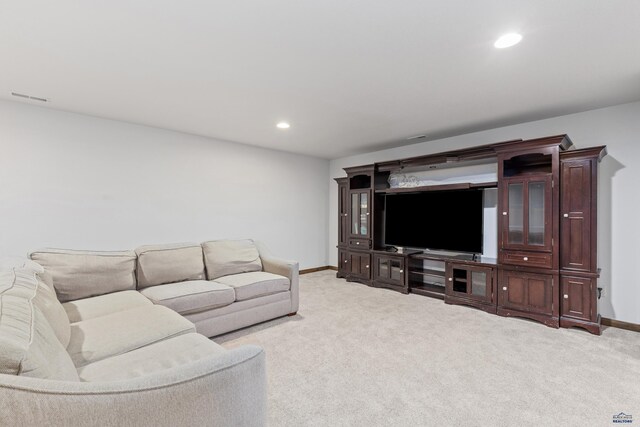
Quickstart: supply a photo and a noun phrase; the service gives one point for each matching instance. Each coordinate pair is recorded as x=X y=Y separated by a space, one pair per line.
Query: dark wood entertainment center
x=546 y=268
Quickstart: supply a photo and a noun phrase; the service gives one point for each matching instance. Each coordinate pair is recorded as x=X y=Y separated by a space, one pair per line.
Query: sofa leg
x=292 y=314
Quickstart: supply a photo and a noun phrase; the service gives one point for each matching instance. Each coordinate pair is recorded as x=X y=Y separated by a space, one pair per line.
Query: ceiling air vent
x=411 y=138
x=34 y=98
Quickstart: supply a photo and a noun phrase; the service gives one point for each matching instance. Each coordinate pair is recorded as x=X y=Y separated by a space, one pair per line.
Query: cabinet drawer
x=527 y=259
x=360 y=243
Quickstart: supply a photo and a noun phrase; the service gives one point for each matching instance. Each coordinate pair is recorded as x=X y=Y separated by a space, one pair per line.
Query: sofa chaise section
x=222 y=389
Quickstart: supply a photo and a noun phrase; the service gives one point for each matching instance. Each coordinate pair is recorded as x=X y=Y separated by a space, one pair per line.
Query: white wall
x=619 y=205
x=73 y=181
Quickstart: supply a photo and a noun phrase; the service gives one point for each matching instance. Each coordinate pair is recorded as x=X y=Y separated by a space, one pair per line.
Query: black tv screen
x=444 y=220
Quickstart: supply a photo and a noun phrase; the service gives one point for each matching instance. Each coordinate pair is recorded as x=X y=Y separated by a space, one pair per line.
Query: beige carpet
x=355 y=356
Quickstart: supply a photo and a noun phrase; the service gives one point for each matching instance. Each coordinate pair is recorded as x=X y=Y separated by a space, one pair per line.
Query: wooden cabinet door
x=343 y=262
x=343 y=214
x=526 y=217
x=388 y=269
x=578 y=297
x=528 y=292
x=359 y=265
x=575 y=209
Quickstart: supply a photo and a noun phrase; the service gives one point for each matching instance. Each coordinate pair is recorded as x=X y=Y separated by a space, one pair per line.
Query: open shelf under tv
x=427 y=275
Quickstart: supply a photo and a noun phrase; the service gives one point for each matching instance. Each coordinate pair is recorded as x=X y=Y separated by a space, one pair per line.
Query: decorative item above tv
x=477 y=175
x=546 y=266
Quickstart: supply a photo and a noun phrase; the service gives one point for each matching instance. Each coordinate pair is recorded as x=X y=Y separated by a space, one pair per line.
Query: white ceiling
x=350 y=76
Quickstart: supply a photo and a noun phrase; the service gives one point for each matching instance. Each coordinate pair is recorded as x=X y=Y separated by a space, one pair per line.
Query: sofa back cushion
x=83 y=274
x=162 y=264
x=49 y=305
x=8 y=263
x=28 y=343
x=225 y=257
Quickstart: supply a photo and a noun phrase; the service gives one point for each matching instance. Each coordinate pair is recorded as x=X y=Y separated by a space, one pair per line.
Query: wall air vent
x=34 y=98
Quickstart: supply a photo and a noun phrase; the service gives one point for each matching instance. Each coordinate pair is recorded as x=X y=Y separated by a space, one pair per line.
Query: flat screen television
x=439 y=220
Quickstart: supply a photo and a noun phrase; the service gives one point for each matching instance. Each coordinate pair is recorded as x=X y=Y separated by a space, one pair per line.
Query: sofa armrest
x=288 y=269
x=226 y=389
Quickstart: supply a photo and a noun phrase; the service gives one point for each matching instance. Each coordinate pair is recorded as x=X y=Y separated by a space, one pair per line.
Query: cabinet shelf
x=427 y=272
x=427 y=289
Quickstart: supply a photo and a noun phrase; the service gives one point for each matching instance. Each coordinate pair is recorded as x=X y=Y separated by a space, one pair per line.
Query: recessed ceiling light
x=508 y=40
x=283 y=125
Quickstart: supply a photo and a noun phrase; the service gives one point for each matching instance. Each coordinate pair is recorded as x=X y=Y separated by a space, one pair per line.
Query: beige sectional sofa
x=120 y=338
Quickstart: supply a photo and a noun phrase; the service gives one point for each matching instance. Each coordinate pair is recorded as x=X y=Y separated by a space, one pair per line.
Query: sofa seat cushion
x=83 y=274
x=106 y=336
x=161 y=264
x=90 y=308
x=255 y=284
x=151 y=359
x=191 y=296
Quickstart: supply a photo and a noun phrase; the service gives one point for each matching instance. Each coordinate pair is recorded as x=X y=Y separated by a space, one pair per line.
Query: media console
x=546 y=269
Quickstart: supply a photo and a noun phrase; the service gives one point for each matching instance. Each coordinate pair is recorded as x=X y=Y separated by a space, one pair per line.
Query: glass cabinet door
x=364 y=213
x=536 y=230
x=479 y=283
x=389 y=269
x=396 y=270
x=383 y=268
x=470 y=282
x=527 y=218
x=360 y=207
x=515 y=226
x=355 y=213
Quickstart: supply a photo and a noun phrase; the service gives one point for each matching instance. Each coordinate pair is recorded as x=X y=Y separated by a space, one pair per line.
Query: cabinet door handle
x=367 y=266
x=566 y=296
x=525 y=258
x=504 y=213
x=504 y=288
x=345 y=261
x=566 y=215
